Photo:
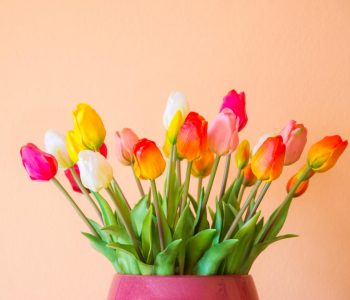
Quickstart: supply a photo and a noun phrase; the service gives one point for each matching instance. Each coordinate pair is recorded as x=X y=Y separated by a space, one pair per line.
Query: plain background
x=292 y=58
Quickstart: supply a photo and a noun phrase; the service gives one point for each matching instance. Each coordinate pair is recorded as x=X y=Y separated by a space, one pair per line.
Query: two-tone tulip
x=192 y=138
x=222 y=133
x=294 y=137
x=175 y=113
x=267 y=163
x=95 y=171
x=242 y=154
x=148 y=160
x=55 y=144
x=201 y=167
x=39 y=165
x=236 y=102
x=125 y=141
x=249 y=178
x=324 y=154
x=302 y=187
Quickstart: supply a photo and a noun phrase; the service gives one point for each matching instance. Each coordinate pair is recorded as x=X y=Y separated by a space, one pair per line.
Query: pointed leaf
x=118 y=233
x=146 y=235
x=165 y=260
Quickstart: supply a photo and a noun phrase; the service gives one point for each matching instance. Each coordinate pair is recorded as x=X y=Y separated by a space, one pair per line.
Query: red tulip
x=236 y=102
x=192 y=137
x=38 y=164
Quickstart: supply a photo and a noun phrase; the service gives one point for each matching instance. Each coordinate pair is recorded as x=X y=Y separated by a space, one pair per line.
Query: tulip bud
x=124 y=145
x=192 y=137
x=95 y=171
x=324 y=154
x=71 y=179
x=267 y=162
x=303 y=185
x=294 y=137
x=174 y=115
x=38 y=164
x=242 y=154
x=89 y=127
x=236 y=102
x=249 y=178
x=55 y=144
x=201 y=167
x=222 y=133
x=148 y=160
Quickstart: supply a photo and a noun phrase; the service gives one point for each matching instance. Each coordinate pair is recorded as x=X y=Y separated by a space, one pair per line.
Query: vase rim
x=185 y=276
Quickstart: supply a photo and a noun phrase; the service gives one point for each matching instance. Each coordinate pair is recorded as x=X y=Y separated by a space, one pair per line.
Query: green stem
x=157 y=209
x=240 y=195
x=126 y=224
x=242 y=210
x=178 y=170
x=75 y=206
x=84 y=191
x=138 y=183
x=226 y=172
x=120 y=193
x=258 y=200
x=186 y=186
x=288 y=198
x=199 y=188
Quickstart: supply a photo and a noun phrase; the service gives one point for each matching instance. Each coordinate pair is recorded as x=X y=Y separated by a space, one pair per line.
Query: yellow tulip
x=89 y=126
x=174 y=127
x=74 y=145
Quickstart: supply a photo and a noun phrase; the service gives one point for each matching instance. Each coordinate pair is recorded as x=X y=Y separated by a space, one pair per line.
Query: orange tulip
x=303 y=185
x=148 y=160
x=267 y=162
x=201 y=167
x=249 y=178
x=192 y=137
x=324 y=154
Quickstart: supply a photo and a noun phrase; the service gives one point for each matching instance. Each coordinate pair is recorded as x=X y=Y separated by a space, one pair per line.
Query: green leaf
x=227 y=194
x=138 y=214
x=196 y=246
x=166 y=229
x=129 y=248
x=118 y=233
x=213 y=257
x=218 y=223
x=193 y=202
x=212 y=213
x=228 y=218
x=165 y=260
x=103 y=235
x=127 y=262
x=245 y=237
x=101 y=247
x=146 y=235
x=107 y=213
x=184 y=226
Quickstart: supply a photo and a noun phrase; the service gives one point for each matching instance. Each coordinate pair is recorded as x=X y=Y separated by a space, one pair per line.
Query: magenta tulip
x=124 y=145
x=38 y=164
x=222 y=133
x=236 y=102
x=294 y=137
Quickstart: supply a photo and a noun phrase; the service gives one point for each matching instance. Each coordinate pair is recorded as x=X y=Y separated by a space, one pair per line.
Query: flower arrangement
x=174 y=232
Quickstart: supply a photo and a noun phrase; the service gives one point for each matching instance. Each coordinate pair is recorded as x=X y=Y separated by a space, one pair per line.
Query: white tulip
x=176 y=102
x=95 y=171
x=262 y=139
x=55 y=144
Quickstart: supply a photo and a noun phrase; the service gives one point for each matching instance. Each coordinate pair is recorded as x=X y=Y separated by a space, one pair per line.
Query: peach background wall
x=123 y=57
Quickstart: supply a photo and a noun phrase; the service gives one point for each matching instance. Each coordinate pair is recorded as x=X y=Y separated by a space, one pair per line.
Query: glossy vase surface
x=226 y=287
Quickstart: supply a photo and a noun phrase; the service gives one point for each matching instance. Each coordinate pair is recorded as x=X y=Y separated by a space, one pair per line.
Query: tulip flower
x=192 y=137
x=125 y=142
x=261 y=140
x=236 y=102
x=267 y=162
x=71 y=179
x=222 y=133
x=55 y=144
x=242 y=154
x=95 y=172
x=38 y=164
x=324 y=154
x=174 y=115
x=74 y=145
x=201 y=167
x=249 y=178
x=294 y=137
x=89 y=127
x=303 y=185
x=148 y=160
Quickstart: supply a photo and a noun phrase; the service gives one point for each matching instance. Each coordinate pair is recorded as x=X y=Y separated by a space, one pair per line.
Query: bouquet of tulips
x=174 y=232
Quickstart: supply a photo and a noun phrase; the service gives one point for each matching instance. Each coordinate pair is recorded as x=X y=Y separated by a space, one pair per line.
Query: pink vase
x=226 y=287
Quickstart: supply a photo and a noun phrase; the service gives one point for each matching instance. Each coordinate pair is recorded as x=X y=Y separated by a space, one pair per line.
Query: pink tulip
x=236 y=102
x=222 y=133
x=38 y=164
x=125 y=142
x=294 y=137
